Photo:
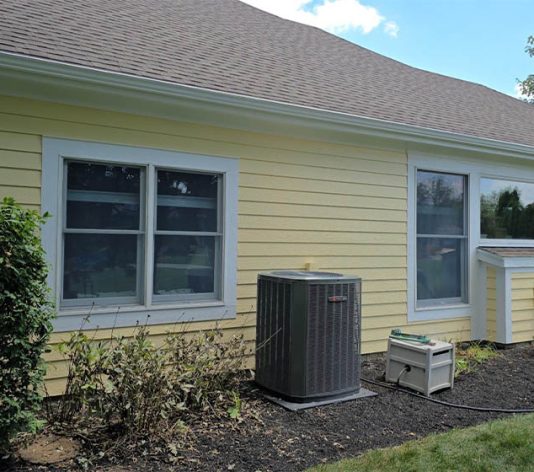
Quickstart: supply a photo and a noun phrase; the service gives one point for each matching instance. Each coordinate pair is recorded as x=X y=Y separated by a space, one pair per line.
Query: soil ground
x=284 y=441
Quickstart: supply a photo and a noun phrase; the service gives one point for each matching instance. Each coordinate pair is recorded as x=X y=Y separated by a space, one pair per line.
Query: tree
x=508 y=212
x=526 y=86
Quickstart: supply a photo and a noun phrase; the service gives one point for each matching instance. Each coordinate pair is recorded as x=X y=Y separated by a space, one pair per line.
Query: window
x=188 y=236
x=139 y=235
x=506 y=209
x=103 y=234
x=441 y=234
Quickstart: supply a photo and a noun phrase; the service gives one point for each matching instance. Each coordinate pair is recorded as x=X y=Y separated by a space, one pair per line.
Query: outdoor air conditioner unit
x=308 y=335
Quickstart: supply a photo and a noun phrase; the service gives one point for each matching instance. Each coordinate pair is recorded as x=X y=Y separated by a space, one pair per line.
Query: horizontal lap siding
x=522 y=307
x=342 y=208
x=20 y=167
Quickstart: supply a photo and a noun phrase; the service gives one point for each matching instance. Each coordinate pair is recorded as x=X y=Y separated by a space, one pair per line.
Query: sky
x=482 y=41
x=526 y=190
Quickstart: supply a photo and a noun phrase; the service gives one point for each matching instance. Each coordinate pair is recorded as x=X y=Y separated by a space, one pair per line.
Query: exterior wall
x=338 y=207
x=522 y=306
x=491 y=304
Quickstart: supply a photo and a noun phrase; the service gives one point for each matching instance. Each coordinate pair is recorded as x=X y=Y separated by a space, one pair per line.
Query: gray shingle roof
x=229 y=46
x=510 y=251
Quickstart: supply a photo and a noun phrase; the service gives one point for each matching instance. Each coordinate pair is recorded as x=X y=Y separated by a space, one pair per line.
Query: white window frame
x=475 y=168
x=432 y=304
x=65 y=303
x=438 y=311
x=56 y=151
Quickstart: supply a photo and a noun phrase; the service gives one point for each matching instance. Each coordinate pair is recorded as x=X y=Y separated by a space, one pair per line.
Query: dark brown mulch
x=285 y=441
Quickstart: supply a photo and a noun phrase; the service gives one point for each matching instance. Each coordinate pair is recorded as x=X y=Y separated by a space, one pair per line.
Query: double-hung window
x=441 y=239
x=188 y=234
x=139 y=235
x=103 y=235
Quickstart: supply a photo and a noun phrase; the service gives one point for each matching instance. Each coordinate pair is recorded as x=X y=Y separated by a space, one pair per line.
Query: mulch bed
x=284 y=441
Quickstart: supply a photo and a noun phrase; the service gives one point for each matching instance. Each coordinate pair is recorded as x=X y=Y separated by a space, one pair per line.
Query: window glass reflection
x=506 y=209
x=440 y=203
x=103 y=196
x=439 y=268
x=187 y=201
x=184 y=265
x=99 y=266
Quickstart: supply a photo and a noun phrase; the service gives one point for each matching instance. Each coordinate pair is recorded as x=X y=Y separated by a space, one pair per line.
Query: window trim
x=56 y=151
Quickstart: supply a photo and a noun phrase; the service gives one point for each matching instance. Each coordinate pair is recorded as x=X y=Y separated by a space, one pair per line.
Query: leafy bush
x=25 y=315
x=138 y=392
x=205 y=366
x=140 y=389
x=86 y=363
x=473 y=355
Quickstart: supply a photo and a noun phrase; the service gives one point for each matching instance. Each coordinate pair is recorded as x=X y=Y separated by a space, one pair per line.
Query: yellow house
x=183 y=148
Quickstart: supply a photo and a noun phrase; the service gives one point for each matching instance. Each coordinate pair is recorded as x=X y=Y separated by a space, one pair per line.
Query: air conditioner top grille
x=308 y=276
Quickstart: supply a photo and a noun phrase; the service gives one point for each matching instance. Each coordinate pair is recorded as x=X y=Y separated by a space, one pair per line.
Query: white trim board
x=56 y=150
x=508 y=262
x=505 y=267
x=503 y=289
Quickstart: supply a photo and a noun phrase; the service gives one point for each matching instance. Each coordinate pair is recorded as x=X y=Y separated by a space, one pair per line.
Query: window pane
x=440 y=203
x=100 y=266
x=187 y=202
x=440 y=268
x=102 y=196
x=506 y=209
x=185 y=265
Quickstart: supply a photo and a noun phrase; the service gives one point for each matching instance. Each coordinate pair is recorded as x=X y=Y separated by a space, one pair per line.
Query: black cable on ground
x=449 y=404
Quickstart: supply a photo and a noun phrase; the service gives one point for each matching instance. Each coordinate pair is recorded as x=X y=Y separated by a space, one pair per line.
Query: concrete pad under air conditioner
x=297 y=406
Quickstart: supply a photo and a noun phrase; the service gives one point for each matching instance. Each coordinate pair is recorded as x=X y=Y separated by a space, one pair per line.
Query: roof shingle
x=229 y=46
x=510 y=251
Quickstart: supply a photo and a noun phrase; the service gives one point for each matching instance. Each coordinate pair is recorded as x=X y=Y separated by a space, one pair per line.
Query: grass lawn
x=502 y=445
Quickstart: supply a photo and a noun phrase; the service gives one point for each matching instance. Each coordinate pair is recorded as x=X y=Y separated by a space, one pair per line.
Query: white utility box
x=422 y=367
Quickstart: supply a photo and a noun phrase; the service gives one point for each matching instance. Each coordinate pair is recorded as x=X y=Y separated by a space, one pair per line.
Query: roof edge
x=505 y=262
x=38 y=78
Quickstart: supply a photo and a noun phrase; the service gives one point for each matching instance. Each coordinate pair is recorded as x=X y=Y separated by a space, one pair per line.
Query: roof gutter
x=56 y=81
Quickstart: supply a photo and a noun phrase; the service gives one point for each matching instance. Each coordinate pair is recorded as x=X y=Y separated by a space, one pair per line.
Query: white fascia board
x=489 y=258
x=66 y=83
x=508 y=262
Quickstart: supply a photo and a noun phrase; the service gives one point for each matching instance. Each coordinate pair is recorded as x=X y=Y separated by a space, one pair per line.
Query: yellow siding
x=522 y=307
x=491 y=305
x=341 y=207
x=20 y=167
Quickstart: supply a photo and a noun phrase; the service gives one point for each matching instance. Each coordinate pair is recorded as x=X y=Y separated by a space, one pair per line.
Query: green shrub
x=140 y=389
x=86 y=362
x=138 y=392
x=25 y=315
x=205 y=366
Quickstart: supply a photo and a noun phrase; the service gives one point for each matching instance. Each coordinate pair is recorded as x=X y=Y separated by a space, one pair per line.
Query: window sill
x=440 y=312
x=132 y=315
